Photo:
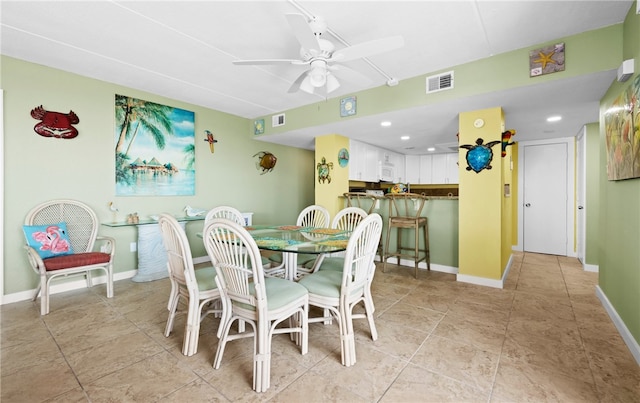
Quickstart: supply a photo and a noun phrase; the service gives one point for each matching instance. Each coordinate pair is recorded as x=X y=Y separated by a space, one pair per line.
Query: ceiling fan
x=323 y=61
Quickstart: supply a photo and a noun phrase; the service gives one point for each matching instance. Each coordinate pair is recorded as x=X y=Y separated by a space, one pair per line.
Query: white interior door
x=545 y=198
x=581 y=167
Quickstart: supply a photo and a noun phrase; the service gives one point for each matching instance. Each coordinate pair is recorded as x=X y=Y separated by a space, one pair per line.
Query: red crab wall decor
x=55 y=124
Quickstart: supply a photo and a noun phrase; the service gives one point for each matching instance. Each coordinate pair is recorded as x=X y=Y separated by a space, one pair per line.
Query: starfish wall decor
x=546 y=60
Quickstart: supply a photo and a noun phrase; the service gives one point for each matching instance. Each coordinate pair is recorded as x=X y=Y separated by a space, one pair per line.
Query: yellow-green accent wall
x=328 y=193
x=481 y=204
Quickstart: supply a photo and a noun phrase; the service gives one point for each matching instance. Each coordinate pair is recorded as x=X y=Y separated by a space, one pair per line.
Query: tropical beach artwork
x=155 y=149
x=622 y=134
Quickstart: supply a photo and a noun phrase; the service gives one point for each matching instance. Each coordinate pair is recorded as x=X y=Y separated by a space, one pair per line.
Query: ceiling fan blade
x=366 y=49
x=350 y=75
x=268 y=61
x=303 y=31
x=296 y=84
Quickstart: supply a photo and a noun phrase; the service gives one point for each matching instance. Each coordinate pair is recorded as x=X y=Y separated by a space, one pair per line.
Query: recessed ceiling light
x=385 y=123
x=405 y=138
x=554 y=118
x=431 y=149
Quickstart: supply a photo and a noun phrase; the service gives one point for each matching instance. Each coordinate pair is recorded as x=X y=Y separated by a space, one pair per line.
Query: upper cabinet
x=363 y=162
x=445 y=168
x=412 y=168
x=431 y=169
x=369 y=163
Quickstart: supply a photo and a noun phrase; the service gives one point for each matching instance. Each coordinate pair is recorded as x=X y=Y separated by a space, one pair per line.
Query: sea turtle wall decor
x=266 y=161
x=479 y=155
x=324 y=169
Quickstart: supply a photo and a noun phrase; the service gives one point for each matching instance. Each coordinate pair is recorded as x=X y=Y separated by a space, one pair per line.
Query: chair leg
x=172 y=307
x=304 y=332
x=369 y=310
x=89 y=279
x=399 y=244
x=192 y=329
x=426 y=246
x=386 y=250
x=223 y=336
x=347 y=337
x=300 y=320
x=110 y=281
x=416 y=256
x=44 y=296
x=35 y=296
x=262 y=357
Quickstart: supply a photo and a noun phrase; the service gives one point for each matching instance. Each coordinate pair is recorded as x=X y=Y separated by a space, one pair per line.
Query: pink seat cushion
x=76 y=260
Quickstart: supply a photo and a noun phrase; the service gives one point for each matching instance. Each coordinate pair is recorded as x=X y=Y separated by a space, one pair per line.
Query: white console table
x=152 y=256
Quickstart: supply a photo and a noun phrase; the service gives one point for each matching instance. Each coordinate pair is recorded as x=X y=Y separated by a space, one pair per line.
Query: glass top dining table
x=292 y=240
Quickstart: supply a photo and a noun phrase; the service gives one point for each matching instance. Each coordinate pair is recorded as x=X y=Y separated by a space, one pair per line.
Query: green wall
x=592 y=193
x=500 y=72
x=619 y=225
x=38 y=168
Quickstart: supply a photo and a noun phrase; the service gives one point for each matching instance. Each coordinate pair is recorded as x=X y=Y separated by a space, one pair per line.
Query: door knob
x=528 y=205
x=580 y=207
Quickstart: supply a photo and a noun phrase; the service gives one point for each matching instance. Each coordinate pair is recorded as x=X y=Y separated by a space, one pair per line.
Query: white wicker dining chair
x=228 y=212
x=311 y=216
x=197 y=287
x=235 y=215
x=249 y=296
x=82 y=231
x=346 y=219
x=341 y=291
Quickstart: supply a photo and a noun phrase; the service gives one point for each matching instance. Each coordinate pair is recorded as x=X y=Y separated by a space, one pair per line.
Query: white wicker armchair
x=82 y=230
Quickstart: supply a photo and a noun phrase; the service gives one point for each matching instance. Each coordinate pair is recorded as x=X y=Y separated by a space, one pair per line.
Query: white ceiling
x=183 y=50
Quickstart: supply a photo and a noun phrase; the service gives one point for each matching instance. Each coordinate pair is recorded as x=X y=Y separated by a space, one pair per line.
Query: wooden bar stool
x=405 y=211
x=367 y=202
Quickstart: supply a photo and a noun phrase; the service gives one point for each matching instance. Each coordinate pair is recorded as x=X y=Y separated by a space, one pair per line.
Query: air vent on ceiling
x=277 y=120
x=440 y=82
x=448 y=147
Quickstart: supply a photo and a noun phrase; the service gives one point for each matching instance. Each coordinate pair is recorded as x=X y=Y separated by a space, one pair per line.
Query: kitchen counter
x=442 y=212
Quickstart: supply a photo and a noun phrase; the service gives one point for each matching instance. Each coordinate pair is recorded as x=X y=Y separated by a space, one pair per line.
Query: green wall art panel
x=622 y=128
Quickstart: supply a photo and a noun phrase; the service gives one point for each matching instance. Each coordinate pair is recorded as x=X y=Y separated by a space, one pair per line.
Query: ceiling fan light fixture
x=306 y=85
x=318 y=76
x=332 y=83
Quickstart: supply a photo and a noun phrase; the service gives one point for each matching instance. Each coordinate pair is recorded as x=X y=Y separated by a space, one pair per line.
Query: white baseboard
x=66 y=286
x=628 y=338
x=487 y=282
x=594 y=268
x=200 y=259
x=423 y=265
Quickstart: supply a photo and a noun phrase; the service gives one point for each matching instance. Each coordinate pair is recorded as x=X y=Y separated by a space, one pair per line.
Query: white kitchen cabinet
x=363 y=162
x=445 y=168
x=412 y=169
x=356 y=160
x=371 y=172
x=399 y=165
x=426 y=169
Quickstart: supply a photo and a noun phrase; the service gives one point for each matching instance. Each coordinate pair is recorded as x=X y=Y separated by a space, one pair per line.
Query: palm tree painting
x=155 y=149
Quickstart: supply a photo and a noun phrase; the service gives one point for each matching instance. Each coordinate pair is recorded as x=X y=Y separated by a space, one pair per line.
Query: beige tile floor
x=544 y=338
